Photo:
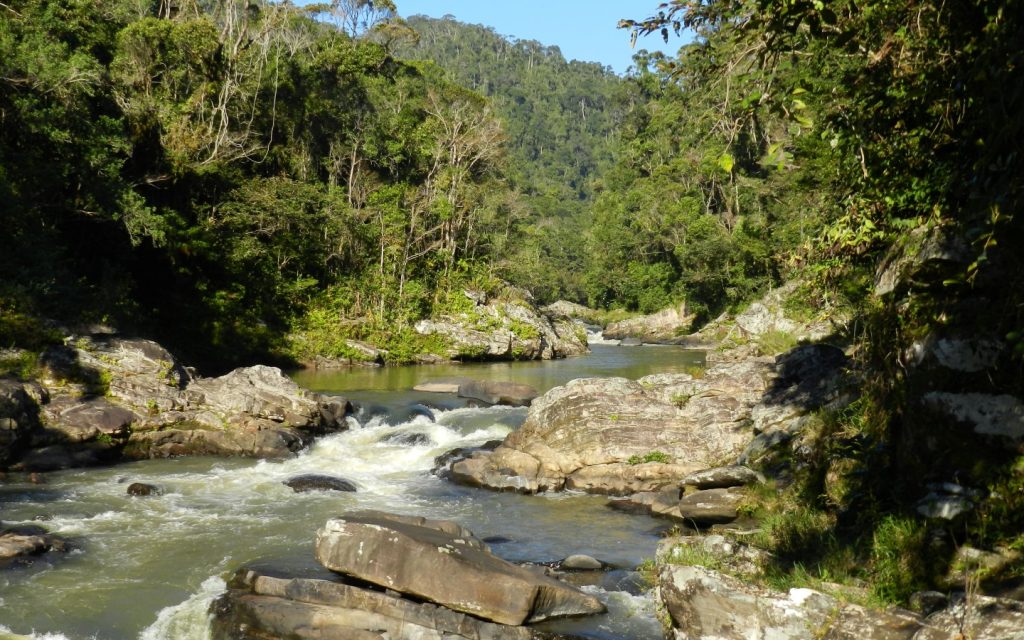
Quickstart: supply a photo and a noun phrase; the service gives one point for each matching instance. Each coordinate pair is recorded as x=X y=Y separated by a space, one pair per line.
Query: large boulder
x=259 y=606
x=442 y=563
x=665 y=326
x=590 y=433
x=506 y=330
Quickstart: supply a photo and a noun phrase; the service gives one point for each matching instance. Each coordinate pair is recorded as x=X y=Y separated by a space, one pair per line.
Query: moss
x=651 y=456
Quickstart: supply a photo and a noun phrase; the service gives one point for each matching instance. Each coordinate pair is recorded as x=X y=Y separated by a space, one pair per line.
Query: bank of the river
x=149 y=566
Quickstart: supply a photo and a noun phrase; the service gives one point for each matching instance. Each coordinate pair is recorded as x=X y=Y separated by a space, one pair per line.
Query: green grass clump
x=651 y=456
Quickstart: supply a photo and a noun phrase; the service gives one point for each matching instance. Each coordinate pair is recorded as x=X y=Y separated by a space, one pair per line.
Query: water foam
x=190 y=619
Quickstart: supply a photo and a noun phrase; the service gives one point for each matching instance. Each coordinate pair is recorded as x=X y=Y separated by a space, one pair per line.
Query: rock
x=259 y=607
x=498 y=392
x=609 y=421
x=623 y=478
x=89 y=420
x=739 y=558
x=959 y=354
x=985 y=414
x=406 y=439
x=318 y=482
x=926 y=602
x=563 y=309
x=702 y=603
x=442 y=563
x=18 y=544
x=443 y=462
x=976 y=617
x=580 y=562
x=629 y=342
x=61 y=456
x=142 y=489
x=711 y=506
x=918 y=258
x=19 y=417
x=970 y=562
x=722 y=477
x=443 y=385
x=664 y=326
x=506 y=330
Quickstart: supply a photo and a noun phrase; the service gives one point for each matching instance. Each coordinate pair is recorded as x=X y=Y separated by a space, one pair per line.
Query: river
x=148 y=567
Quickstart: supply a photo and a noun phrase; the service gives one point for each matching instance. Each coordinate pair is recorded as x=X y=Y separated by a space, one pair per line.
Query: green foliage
x=899 y=558
x=651 y=456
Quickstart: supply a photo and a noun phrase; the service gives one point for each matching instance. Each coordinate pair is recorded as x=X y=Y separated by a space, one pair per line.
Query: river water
x=148 y=567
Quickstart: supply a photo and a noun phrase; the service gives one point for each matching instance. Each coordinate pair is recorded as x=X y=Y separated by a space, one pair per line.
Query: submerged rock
x=318 y=482
x=441 y=562
x=142 y=489
x=498 y=392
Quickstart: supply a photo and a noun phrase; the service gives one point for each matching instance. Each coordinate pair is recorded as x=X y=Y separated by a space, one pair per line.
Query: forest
x=250 y=181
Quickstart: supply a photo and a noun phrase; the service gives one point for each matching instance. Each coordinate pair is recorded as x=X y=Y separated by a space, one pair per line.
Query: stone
x=711 y=506
x=985 y=414
x=442 y=385
x=406 y=439
x=722 y=477
x=976 y=617
x=258 y=607
x=702 y=603
x=623 y=478
x=590 y=422
x=19 y=417
x=430 y=562
x=89 y=420
x=661 y=327
x=318 y=482
x=580 y=562
x=142 y=489
x=19 y=544
x=926 y=602
x=506 y=328
x=498 y=392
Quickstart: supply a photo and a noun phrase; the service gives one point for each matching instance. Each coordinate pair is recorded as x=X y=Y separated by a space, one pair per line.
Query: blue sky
x=582 y=29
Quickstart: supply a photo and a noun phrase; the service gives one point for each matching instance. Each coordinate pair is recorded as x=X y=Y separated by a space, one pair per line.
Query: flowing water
x=148 y=567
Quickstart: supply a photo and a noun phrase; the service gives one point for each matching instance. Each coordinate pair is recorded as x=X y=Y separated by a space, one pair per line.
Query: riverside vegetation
x=256 y=182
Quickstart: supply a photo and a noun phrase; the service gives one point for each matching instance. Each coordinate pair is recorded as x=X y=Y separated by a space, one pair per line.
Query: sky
x=584 y=30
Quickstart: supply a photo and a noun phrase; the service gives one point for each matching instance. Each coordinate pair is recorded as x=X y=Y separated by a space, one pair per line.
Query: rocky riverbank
x=104 y=398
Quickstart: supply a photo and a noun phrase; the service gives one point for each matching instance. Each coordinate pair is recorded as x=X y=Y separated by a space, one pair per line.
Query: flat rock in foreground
x=433 y=562
x=260 y=606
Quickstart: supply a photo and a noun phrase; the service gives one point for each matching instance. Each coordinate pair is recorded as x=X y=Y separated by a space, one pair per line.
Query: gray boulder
x=711 y=506
x=665 y=326
x=722 y=477
x=584 y=434
x=439 y=562
x=259 y=606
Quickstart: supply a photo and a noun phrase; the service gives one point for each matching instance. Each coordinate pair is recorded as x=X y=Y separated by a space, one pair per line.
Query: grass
x=774 y=342
x=651 y=456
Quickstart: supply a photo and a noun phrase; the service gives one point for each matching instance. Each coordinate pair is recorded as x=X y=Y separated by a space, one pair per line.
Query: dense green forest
x=561 y=121
x=241 y=179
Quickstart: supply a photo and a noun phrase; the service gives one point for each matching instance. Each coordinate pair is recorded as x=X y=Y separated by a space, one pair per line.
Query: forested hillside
x=225 y=175
x=562 y=120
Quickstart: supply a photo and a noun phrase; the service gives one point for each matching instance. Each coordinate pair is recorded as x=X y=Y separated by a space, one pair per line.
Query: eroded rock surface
x=440 y=562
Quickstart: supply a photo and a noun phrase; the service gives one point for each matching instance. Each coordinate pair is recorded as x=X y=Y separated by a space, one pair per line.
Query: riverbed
x=148 y=567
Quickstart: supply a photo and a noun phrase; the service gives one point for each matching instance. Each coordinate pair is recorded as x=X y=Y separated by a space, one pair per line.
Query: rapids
x=148 y=567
